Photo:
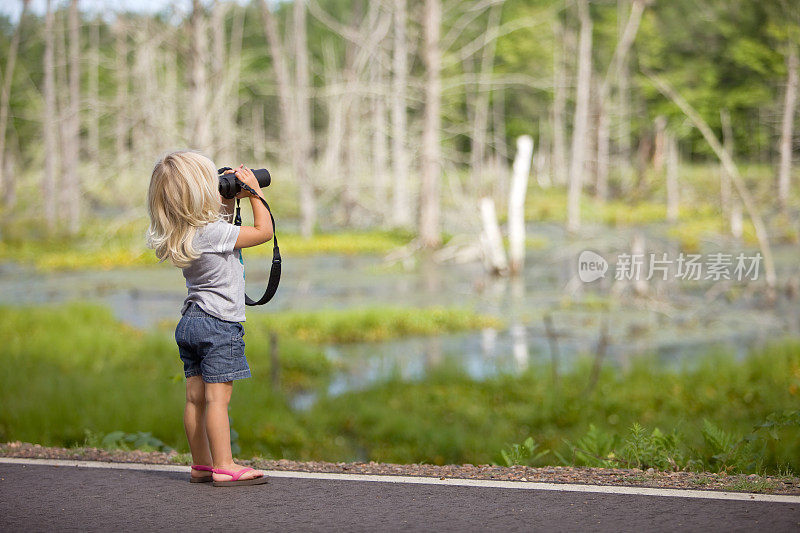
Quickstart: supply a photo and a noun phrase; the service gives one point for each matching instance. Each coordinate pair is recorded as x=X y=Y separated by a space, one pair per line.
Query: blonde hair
x=183 y=196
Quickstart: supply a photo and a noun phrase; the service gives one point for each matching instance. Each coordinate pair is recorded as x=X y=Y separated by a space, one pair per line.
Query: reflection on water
x=552 y=318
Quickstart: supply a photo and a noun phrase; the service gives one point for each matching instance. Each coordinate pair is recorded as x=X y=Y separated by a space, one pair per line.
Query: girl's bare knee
x=218 y=393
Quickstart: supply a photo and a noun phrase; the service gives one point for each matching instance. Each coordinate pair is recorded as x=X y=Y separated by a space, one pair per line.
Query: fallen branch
x=730 y=167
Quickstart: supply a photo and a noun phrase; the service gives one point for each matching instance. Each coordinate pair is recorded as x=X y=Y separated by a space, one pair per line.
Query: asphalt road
x=67 y=498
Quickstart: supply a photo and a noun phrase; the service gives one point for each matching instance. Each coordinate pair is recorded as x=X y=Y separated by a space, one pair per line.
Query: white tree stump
x=516 y=202
x=494 y=254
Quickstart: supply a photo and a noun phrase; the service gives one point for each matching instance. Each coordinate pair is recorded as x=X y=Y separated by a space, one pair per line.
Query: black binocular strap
x=275 y=270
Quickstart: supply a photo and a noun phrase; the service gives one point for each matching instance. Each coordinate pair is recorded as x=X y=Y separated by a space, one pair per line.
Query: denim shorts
x=210 y=347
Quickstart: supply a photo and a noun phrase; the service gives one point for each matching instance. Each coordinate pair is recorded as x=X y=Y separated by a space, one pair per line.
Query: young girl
x=189 y=225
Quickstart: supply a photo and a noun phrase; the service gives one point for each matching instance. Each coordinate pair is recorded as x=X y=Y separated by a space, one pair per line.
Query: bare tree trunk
x=492 y=241
x=350 y=111
x=623 y=94
x=94 y=95
x=380 y=154
x=259 y=133
x=146 y=117
x=230 y=107
x=734 y=210
x=50 y=122
x=121 y=130
x=673 y=193
x=377 y=16
x=516 y=203
x=334 y=103
x=482 y=94
x=659 y=145
x=70 y=170
x=199 y=134
x=224 y=131
x=541 y=161
x=401 y=206
x=429 y=225
x=294 y=107
x=790 y=100
x=500 y=145
x=731 y=169
x=8 y=77
x=559 y=108
x=281 y=74
x=304 y=139
x=724 y=179
x=170 y=92
x=581 y=124
x=603 y=148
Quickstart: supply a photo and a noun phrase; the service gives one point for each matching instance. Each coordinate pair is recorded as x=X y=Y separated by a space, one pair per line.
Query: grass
x=126 y=248
x=752 y=485
x=71 y=369
x=369 y=324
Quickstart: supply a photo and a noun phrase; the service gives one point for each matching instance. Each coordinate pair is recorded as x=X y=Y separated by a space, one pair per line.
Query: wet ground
x=551 y=315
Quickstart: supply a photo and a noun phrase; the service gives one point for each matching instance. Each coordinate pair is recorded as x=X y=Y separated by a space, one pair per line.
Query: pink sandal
x=204 y=479
x=236 y=475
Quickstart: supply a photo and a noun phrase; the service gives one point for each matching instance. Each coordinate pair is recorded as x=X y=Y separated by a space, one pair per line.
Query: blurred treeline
x=384 y=113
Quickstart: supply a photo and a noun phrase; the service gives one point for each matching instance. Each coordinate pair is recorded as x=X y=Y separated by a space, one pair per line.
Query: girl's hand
x=246 y=176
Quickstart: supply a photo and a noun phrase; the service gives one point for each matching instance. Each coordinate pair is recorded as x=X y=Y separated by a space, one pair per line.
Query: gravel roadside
x=631 y=477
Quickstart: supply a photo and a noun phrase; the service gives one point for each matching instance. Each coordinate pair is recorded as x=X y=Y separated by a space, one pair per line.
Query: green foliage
x=368 y=324
x=655 y=450
x=595 y=448
x=84 y=370
x=526 y=453
x=140 y=440
x=722 y=451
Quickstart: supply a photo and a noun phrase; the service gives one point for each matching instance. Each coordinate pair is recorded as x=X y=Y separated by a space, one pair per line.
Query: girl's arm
x=261 y=231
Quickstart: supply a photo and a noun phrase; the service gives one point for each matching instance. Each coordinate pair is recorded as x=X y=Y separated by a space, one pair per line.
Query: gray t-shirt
x=216 y=279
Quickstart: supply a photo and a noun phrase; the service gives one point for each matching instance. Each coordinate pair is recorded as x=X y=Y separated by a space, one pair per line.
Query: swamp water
x=551 y=316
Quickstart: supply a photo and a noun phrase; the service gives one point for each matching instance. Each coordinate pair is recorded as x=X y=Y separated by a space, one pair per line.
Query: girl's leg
x=195 y=424
x=218 y=396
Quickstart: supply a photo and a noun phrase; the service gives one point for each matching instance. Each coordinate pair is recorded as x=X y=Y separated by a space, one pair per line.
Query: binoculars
x=230 y=186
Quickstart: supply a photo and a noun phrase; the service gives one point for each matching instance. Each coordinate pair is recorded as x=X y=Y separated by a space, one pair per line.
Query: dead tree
x=618 y=59
x=71 y=185
x=199 y=134
x=225 y=69
x=334 y=104
x=429 y=224
x=623 y=94
x=789 y=102
x=516 y=203
x=494 y=256
x=580 y=130
x=401 y=206
x=121 y=128
x=293 y=137
x=50 y=121
x=380 y=156
x=673 y=193
x=482 y=94
x=93 y=122
x=7 y=185
x=303 y=140
x=734 y=210
x=559 y=157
